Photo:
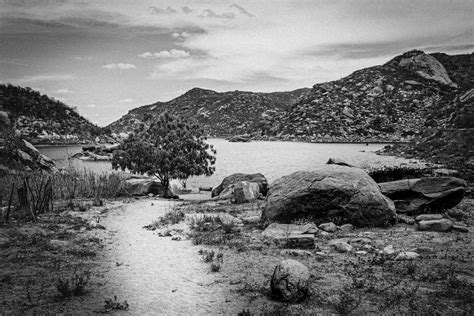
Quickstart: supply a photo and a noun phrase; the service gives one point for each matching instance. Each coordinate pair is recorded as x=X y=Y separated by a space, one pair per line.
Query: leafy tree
x=170 y=148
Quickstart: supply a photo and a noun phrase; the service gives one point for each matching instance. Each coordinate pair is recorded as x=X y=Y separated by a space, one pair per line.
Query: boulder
x=290 y=281
x=244 y=192
x=415 y=196
x=437 y=225
x=328 y=227
x=145 y=186
x=337 y=161
x=237 y=177
x=327 y=191
x=428 y=217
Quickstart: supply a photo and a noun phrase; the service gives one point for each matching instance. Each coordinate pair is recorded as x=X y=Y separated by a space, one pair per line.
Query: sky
x=107 y=57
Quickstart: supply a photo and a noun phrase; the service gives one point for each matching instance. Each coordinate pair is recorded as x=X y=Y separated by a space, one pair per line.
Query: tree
x=170 y=148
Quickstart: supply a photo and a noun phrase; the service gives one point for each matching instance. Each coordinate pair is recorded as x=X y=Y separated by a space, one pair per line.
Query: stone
x=361 y=252
x=415 y=196
x=302 y=241
x=462 y=229
x=428 y=217
x=359 y=241
x=30 y=149
x=296 y=253
x=328 y=227
x=24 y=157
x=405 y=219
x=279 y=231
x=407 y=255
x=346 y=227
x=144 y=186
x=437 y=225
x=327 y=191
x=340 y=162
x=388 y=250
x=290 y=281
x=244 y=192
x=340 y=245
x=237 y=177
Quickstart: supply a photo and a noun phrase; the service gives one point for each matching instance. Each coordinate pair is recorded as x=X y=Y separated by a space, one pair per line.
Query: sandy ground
x=35 y=256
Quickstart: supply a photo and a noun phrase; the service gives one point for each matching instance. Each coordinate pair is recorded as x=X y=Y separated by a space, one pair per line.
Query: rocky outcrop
x=290 y=281
x=237 y=177
x=20 y=155
x=425 y=66
x=90 y=156
x=415 y=196
x=330 y=190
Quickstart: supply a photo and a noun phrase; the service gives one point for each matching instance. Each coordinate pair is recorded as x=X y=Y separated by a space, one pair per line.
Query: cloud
x=186 y=10
x=63 y=91
x=82 y=58
x=46 y=77
x=174 y=53
x=181 y=36
x=242 y=10
x=158 y=11
x=92 y=105
x=128 y=100
x=210 y=14
x=119 y=66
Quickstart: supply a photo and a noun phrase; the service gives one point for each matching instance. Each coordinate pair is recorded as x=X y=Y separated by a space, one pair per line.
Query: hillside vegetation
x=41 y=119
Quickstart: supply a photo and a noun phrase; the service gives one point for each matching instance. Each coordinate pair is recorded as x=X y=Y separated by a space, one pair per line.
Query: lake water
x=272 y=159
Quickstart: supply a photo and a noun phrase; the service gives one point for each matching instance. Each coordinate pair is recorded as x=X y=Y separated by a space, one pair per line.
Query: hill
x=220 y=113
x=41 y=119
x=392 y=102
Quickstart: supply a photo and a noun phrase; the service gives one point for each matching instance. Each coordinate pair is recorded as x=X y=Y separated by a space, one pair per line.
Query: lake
x=273 y=159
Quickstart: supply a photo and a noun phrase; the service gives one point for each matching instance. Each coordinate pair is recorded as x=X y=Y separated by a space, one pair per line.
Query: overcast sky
x=107 y=57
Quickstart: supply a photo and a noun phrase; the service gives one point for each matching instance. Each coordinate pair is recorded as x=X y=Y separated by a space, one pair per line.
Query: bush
x=74 y=286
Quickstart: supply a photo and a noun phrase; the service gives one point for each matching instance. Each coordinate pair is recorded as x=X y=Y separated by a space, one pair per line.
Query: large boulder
x=290 y=281
x=328 y=191
x=415 y=196
x=244 y=192
x=237 y=177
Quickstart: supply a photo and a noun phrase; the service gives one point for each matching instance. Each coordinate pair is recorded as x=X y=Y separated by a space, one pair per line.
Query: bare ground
x=36 y=257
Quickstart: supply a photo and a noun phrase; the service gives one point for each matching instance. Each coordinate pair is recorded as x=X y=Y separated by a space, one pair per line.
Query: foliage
x=73 y=286
x=170 y=148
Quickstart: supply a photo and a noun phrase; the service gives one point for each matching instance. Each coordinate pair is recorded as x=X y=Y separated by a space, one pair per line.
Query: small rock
x=177 y=238
x=328 y=227
x=290 y=281
x=407 y=255
x=320 y=254
x=428 y=217
x=296 y=253
x=462 y=229
x=341 y=246
x=359 y=241
x=405 y=219
x=322 y=233
x=437 y=225
x=150 y=194
x=388 y=250
x=347 y=227
x=361 y=253
x=305 y=241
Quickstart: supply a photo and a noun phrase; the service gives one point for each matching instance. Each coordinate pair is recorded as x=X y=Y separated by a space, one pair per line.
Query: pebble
x=407 y=255
x=388 y=250
x=328 y=227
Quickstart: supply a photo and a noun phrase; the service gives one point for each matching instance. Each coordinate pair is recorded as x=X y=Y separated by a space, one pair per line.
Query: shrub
x=73 y=286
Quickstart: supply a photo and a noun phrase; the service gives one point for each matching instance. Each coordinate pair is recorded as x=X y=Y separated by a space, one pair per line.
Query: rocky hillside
x=386 y=103
x=391 y=102
x=450 y=139
x=40 y=119
x=221 y=114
